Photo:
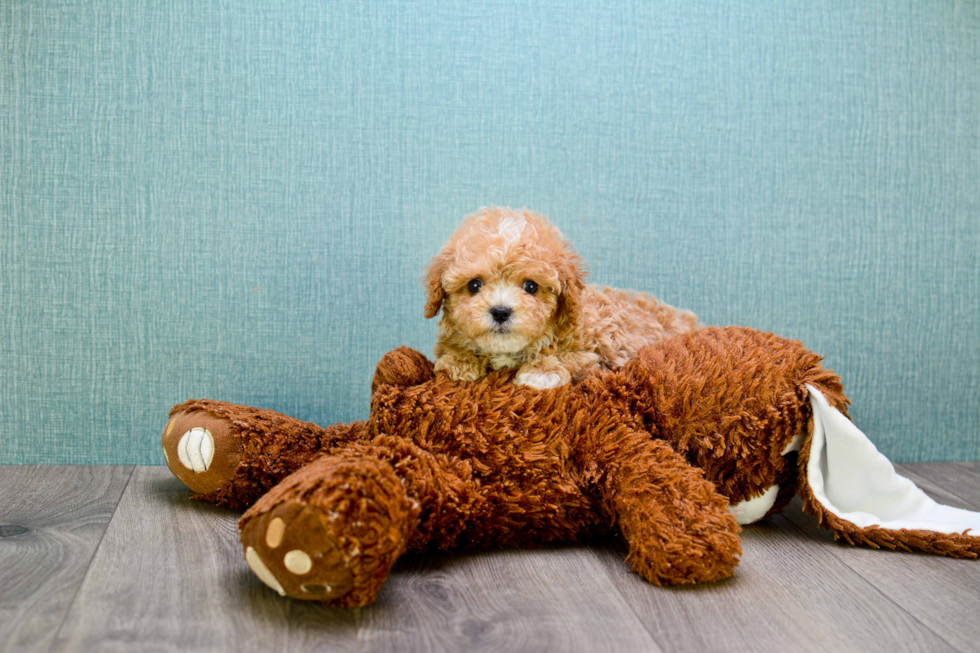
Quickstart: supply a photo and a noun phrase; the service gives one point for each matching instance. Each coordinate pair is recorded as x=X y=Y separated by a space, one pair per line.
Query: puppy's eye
x=474 y=286
x=530 y=287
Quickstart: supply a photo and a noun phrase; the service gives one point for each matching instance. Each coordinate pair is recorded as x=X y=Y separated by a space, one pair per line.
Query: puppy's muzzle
x=500 y=314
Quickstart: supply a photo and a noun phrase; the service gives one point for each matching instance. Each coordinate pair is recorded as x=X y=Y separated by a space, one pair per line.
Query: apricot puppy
x=513 y=295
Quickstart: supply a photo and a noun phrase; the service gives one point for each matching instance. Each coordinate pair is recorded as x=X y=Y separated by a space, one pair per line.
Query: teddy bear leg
x=331 y=531
x=677 y=526
x=734 y=401
x=232 y=455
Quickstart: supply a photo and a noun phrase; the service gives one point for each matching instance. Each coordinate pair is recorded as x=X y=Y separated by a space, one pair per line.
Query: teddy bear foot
x=331 y=531
x=201 y=450
x=291 y=551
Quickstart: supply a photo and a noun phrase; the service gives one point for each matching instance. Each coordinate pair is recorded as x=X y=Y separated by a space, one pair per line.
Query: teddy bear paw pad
x=291 y=551
x=201 y=450
x=195 y=449
x=262 y=571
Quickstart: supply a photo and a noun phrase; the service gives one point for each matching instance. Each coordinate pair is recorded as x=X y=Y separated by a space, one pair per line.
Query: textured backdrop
x=235 y=200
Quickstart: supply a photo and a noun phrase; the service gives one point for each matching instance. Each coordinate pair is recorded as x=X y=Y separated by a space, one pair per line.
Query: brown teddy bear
x=699 y=433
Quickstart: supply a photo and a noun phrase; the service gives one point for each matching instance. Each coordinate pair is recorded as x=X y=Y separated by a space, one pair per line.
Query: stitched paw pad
x=290 y=550
x=201 y=450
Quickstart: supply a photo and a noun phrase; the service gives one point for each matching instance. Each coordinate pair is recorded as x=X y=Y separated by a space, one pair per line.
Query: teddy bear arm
x=403 y=367
x=231 y=455
x=676 y=525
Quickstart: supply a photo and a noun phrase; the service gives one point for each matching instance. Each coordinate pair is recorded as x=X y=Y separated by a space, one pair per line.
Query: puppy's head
x=503 y=280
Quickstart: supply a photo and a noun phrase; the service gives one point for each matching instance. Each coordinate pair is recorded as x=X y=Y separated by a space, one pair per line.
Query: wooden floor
x=118 y=559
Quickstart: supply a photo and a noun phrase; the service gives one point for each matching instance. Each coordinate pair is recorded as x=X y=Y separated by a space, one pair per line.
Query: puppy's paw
x=539 y=380
x=459 y=370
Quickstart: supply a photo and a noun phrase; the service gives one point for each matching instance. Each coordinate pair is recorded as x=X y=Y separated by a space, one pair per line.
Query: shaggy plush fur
x=655 y=450
x=513 y=295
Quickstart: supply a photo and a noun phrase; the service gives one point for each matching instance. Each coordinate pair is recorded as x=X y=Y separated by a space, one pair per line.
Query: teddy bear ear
x=403 y=366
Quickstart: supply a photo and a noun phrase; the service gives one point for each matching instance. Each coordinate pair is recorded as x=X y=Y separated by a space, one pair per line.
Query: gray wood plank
x=554 y=599
x=953 y=483
x=941 y=593
x=51 y=522
x=788 y=593
x=169 y=575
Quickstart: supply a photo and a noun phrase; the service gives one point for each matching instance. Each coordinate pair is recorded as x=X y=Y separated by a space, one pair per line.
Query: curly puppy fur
x=513 y=295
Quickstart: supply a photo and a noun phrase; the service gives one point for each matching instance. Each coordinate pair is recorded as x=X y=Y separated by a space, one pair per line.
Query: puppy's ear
x=434 y=294
x=571 y=273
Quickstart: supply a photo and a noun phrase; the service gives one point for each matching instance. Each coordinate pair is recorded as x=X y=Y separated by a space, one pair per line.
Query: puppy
x=512 y=295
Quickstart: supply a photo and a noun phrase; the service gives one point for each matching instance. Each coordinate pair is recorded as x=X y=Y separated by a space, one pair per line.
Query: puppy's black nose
x=500 y=314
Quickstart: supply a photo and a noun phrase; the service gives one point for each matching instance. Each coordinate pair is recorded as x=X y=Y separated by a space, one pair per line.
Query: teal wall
x=235 y=200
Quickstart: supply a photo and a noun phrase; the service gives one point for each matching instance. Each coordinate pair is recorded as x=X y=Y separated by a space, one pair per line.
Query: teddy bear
x=697 y=435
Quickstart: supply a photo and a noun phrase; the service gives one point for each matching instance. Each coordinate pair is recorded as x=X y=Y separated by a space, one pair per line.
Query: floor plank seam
x=846 y=595
x=653 y=638
x=95 y=552
x=972 y=469
x=840 y=560
x=953 y=490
